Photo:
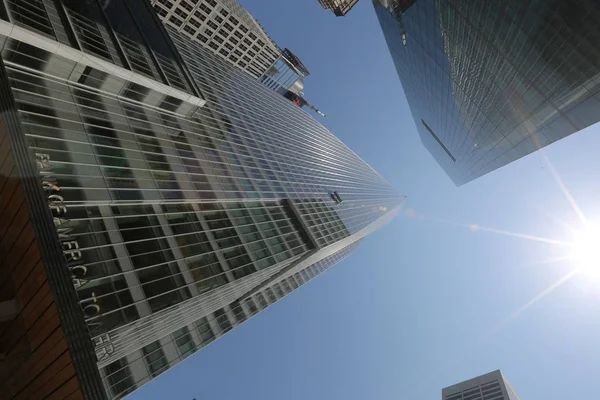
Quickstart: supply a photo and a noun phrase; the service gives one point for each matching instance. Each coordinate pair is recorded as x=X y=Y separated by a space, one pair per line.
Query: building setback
x=490 y=386
x=490 y=82
x=153 y=197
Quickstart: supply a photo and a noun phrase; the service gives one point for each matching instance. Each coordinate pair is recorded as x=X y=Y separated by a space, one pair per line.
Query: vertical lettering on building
x=71 y=250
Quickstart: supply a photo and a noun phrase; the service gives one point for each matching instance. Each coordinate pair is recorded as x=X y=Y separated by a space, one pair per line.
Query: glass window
x=222 y=320
x=184 y=342
x=155 y=359
x=119 y=377
x=204 y=330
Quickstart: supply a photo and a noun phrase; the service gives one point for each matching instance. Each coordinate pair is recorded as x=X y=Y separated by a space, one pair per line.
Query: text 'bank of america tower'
x=153 y=198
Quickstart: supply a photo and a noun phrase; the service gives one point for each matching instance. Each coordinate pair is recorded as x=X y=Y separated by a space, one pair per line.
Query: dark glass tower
x=489 y=82
x=153 y=198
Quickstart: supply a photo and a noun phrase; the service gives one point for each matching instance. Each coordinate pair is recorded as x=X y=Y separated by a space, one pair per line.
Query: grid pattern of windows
x=184 y=341
x=285 y=151
x=118 y=378
x=488 y=391
x=281 y=76
x=114 y=160
x=31 y=14
x=491 y=386
x=200 y=333
x=339 y=7
x=168 y=219
x=223 y=27
x=494 y=81
x=323 y=222
x=89 y=35
x=155 y=359
x=88 y=30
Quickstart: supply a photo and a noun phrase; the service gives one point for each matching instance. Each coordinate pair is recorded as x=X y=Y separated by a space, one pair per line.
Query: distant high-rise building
x=223 y=27
x=491 y=386
x=228 y=30
x=152 y=198
x=490 y=82
x=339 y=7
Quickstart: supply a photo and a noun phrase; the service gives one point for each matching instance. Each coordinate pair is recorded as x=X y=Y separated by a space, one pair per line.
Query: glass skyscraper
x=490 y=386
x=154 y=197
x=489 y=82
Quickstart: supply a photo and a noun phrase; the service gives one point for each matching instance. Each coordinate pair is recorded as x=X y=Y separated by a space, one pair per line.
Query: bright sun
x=586 y=252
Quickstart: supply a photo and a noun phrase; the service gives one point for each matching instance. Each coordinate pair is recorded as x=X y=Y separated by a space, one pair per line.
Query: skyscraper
x=223 y=27
x=490 y=82
x=338 y=7
x=228 y=30
x=154 y=197
x=491 y=386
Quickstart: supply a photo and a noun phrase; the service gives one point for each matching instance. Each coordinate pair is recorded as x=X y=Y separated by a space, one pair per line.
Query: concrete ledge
x=78 y=57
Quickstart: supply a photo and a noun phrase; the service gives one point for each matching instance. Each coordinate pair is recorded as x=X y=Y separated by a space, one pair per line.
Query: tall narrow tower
x=154 y=197
x=489 y=82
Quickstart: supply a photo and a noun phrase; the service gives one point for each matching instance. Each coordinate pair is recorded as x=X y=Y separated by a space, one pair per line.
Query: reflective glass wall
x=281 y=77
x=140 y=366
x=490 y=82
x=173 y=201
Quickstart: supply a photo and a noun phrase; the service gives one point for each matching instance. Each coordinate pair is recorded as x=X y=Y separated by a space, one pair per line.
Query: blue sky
x=427 y=301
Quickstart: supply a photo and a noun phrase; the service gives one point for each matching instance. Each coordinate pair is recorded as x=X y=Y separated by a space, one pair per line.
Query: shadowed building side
x=490 y=83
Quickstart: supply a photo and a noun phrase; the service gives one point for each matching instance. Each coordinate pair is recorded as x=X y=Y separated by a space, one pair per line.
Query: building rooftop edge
x=477 y=380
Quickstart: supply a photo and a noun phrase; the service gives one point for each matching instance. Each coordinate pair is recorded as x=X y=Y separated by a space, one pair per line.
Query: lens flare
x=586 y=251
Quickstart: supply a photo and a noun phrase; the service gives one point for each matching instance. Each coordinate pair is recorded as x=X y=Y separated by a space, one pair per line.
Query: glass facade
x=282 y=76
x=185 y=195
x=140 y=366
x=287 y=74
x=490 y=82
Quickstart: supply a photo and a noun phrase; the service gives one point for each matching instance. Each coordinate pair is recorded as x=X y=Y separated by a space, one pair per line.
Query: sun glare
x=586 y=251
